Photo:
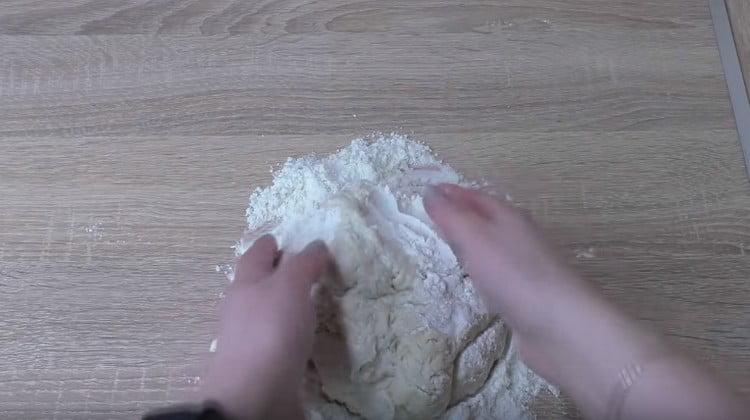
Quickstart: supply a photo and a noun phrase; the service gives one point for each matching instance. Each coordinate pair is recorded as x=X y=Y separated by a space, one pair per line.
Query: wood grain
x=274 y=18
x=739 y=15
x=542 y=66
x=132 y=132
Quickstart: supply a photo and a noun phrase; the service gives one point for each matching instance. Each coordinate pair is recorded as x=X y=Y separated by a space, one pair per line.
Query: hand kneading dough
x=395 y=339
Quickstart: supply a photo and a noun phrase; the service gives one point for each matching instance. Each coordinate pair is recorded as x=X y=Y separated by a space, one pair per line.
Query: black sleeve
x=187 y=412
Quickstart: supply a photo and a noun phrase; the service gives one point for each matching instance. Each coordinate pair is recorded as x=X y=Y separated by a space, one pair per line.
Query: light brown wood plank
x=131 y=137
x=113 y=242
x=739 y=14
x=566 y=74
x=272 y=18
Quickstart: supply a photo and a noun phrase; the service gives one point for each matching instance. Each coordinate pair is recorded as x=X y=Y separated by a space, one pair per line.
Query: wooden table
x=132 y=132
x=739 y=15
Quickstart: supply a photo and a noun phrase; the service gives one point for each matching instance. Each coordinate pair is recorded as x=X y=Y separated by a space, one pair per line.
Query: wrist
x=255 y=403
x=600 y=350
x=675 y=387
x=246 y=389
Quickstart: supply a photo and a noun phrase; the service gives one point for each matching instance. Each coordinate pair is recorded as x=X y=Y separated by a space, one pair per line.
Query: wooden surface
x=739 y=15
x=131 y=133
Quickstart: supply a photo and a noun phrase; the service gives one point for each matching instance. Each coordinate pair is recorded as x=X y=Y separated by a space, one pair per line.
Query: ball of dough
x=379 y=350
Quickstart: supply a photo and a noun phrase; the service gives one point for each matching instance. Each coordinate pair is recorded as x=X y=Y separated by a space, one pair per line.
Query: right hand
x=565 y=330
x=515 y=270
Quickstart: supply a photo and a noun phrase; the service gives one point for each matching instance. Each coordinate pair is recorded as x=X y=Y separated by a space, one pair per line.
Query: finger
x=457 y=221
x=483 y=204
x=250 y=236
x=306 y=267
x=258 y=261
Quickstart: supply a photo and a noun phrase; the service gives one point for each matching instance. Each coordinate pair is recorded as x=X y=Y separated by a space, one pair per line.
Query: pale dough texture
x=401 y=334
x=376 y=351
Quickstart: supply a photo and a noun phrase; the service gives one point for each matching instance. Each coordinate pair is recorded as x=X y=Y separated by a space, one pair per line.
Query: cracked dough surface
x=401 y=332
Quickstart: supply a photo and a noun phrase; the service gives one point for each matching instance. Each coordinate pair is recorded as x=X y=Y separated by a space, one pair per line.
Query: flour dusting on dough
x=401 y=331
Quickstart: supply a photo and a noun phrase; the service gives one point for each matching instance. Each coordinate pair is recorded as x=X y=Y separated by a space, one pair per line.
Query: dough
x=401 y=332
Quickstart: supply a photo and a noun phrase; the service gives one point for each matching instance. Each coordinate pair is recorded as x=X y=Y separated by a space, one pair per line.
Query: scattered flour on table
x=401 y=331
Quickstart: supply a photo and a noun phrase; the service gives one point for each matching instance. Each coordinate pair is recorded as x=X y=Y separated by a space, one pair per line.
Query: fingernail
x=316 y=246
x=318 y=251
x=267 y=237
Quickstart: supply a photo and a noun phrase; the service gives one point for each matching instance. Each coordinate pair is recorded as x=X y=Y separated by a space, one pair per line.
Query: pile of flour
x=401 y=331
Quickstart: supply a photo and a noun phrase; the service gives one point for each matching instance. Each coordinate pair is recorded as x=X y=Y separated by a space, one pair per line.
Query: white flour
x=416 y=338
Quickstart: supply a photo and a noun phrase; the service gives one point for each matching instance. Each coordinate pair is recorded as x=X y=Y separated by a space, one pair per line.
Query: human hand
x=561 y=326
x=566 y=331
x=513 y=267
x=266 y=332
x=521 y=278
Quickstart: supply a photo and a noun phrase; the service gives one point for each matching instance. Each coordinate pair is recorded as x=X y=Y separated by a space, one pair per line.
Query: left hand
x=266 y=332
